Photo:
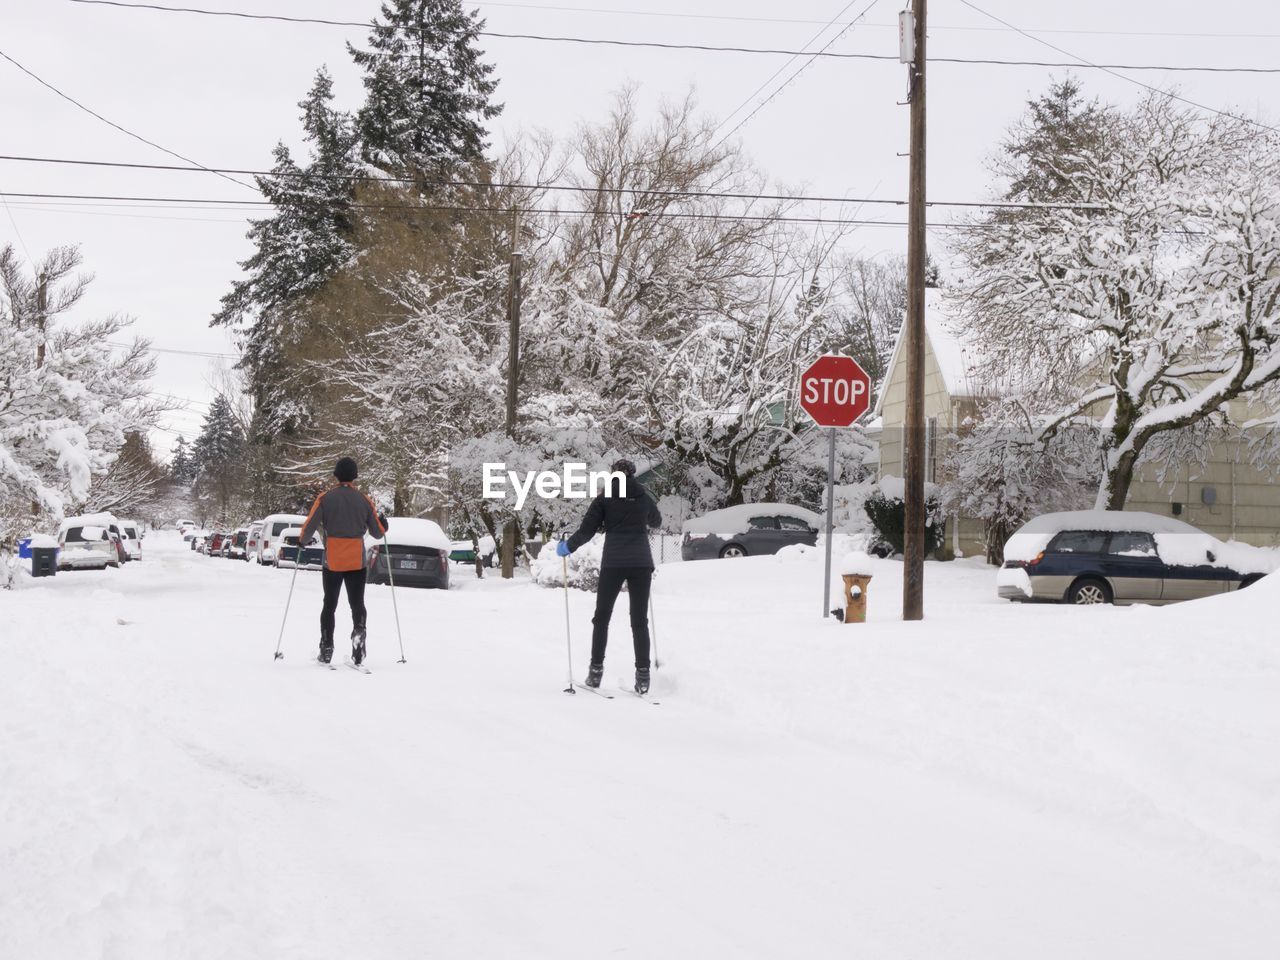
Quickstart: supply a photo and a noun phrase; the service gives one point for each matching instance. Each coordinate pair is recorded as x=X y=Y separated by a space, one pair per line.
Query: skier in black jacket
x=625 y=517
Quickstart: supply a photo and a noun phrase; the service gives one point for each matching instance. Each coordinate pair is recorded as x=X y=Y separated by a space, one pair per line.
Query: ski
x=596 y=690
x=639 y=696
x=356 y=666
x=326 y=664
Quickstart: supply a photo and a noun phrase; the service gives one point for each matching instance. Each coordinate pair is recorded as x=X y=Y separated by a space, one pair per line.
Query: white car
x=254 y=541
x=273 y=528
x=131 y=534
x=85 y=543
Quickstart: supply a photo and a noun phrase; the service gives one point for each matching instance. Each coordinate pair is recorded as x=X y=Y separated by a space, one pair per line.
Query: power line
x=534 y=211
x=1112 y=71
x=510 y=185
x=186 y=353
x=826 y=26
x=111 y=123
x=1078 y=62
x=804 y=66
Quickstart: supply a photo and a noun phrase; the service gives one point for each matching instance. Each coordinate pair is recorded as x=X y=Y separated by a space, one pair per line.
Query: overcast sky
x=223 y=91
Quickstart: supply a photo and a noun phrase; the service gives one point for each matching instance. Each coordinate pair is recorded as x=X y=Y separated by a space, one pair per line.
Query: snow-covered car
x=273 y=527
x=1124 y=557
x=131 y=533
x=85 y=543
x=463 y=551
x=416 y=554
x=287 y=551
x=235 y=547
x=748 y=530
x=197 y=540
x=253 y=542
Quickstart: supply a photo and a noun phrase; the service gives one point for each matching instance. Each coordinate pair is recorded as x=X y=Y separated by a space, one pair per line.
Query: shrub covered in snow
x=548 y=570
x=885 y=508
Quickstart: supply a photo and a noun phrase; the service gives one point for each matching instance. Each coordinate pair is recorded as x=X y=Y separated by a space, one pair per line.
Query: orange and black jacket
x=346 y=515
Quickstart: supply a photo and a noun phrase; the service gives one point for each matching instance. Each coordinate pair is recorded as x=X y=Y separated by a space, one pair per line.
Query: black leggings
x=354 y=579
x=637 y=580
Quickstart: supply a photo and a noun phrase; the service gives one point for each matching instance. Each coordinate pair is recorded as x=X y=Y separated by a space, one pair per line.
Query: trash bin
x=44 y=561
x=24 y=549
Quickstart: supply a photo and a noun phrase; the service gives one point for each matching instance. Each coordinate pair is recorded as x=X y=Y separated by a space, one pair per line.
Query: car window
x=1132 y=545
x=1078 y=541
x=794 y=523
x=763 y=523
x=277 y=527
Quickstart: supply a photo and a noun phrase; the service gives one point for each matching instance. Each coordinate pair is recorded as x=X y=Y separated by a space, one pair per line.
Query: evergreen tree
x=218 y=457
x=180 y=465
x=427 y=90
x=1044 y=151
x=300 y=245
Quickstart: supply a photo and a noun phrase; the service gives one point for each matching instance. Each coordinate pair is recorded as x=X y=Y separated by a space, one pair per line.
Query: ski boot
x=326 y=647
x=357 y=645
x=642 y=680
x=595 y=673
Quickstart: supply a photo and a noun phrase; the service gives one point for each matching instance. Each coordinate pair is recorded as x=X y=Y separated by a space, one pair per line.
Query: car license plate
x=407 y=564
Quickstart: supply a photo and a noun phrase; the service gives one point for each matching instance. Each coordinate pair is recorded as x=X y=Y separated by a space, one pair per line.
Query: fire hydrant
x=855 y=597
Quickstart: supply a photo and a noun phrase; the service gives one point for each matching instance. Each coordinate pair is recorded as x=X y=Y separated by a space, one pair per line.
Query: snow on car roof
x=94 y=519
x=1178 y=543
x=416 y=532
x=737 y=519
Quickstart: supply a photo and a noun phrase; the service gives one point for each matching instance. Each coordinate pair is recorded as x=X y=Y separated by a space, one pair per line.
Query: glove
x=562 y=548
x=382 y=519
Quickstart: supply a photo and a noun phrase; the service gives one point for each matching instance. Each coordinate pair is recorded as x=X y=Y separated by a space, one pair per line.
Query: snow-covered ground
x=997 y=781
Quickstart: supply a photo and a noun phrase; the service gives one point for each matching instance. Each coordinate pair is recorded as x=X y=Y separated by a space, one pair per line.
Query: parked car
x=235 y=546
x=287 y=551
x=273 y=527
x=462 y=551
x=132 y=535
x=85 y=543
x=213 y=543
x=748 y=530
x=122 y=552
x=197 y=540
x=415 y=554
x=1123 y=557
x=253 y=542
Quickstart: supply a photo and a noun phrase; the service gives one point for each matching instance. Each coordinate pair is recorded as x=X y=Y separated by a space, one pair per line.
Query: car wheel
x=1088 y=591
x=733 y=550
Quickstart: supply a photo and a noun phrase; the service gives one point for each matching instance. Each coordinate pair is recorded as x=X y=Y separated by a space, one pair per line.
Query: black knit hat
x=346 y=470
x=624 y=466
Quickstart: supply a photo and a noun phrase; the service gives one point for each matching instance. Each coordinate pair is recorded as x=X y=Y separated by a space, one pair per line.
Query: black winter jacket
x=625 y=520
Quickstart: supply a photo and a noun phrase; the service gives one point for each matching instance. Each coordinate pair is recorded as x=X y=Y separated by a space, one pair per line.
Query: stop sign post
x=835 y=391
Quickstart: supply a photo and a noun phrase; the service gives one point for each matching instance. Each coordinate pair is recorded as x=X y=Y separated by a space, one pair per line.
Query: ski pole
x=568 y=639
x=653 y=629
x=292 y=581
x=392 y=580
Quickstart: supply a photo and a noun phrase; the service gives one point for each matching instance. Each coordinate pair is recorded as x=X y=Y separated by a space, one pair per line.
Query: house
x=1227 y=496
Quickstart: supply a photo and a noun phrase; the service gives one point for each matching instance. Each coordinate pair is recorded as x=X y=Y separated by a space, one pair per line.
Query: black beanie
x=346 y=470
x=624 y=466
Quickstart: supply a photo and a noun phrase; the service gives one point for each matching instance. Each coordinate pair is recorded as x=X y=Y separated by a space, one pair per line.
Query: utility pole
x=513 y=372
x=42 y=310
x=913 y=435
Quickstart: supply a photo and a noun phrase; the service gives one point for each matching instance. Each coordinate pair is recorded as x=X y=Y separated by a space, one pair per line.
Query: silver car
x=748 y=531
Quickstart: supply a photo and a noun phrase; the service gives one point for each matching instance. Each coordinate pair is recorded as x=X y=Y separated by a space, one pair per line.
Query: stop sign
x=835 y=391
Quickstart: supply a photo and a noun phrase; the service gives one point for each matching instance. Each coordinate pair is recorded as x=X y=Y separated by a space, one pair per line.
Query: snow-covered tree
x=428 y=93
x=133 y=478
x=1152 y=308
x=181 y=469
x=67 y=397
x=218 y=459
x=1000 y=470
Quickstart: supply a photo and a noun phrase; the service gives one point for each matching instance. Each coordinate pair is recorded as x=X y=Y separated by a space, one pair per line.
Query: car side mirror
x=1209 y=554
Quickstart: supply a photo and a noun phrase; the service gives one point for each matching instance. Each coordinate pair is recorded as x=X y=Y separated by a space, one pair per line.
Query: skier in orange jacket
x=345 y=515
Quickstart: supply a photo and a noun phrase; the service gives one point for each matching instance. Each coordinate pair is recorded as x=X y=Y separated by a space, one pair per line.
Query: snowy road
x=999 y=781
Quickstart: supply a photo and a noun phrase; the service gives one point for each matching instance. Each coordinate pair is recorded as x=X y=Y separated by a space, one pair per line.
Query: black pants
x=637 y=580
x=354 y=579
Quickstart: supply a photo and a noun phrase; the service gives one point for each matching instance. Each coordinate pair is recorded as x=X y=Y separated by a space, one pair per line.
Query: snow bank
x=1014 y=577
x=1178 y=543
x=415 y=532
x=735 y=520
